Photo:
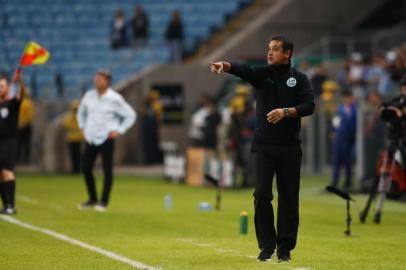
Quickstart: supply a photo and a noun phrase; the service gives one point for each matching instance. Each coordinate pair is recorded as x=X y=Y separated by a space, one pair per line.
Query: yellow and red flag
x=34 y=54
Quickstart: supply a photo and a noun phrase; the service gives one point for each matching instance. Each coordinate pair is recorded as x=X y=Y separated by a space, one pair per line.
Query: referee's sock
x=10 y=191
x=3 y=193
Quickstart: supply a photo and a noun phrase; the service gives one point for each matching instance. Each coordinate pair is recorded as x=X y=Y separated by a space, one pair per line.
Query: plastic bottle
x=168 y=201
x=244 y=222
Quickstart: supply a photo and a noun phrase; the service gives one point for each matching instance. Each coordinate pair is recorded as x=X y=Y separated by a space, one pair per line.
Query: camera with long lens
x=396 y=124
x=389 y=116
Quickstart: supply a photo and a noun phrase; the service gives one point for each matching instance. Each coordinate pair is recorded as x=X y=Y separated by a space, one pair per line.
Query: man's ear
x=288 y=53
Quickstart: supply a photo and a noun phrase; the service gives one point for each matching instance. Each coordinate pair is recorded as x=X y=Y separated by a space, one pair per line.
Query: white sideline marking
x=27 y=199
x=32 y=201
x=60 y=236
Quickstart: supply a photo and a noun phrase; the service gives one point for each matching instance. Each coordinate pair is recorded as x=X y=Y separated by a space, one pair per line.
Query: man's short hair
x=105 y=73
x=287 y=45
x=3 y=76
x=346 y=93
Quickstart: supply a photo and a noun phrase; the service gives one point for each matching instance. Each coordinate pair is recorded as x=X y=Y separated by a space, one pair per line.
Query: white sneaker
x=100 y=208
x=86 y=205
x=10 y=211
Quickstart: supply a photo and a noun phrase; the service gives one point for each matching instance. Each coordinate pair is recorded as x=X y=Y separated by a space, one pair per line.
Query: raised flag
x=34 y=54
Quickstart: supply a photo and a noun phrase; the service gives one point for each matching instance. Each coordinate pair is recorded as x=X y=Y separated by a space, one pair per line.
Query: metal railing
x=337 y=46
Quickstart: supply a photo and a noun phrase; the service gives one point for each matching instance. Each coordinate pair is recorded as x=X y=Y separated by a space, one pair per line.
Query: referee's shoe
x=8 y=211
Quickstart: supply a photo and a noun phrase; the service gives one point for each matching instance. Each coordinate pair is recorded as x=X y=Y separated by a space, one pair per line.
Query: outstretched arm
x=21 y=92
x=243 y=71
x=219 y=67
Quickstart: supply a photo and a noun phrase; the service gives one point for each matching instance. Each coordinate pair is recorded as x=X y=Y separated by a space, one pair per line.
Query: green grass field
x=138 y=227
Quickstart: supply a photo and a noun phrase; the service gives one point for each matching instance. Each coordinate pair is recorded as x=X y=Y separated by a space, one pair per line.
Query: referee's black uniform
x=277 y=151
x=9 y=112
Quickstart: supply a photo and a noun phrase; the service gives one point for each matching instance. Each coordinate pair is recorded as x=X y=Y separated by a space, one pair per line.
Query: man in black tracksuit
x=283 y=96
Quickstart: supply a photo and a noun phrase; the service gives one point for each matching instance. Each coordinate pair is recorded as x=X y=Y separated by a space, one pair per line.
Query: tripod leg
x=373 y=191
x=218 y=199
x=384 y=187
x=348 y=231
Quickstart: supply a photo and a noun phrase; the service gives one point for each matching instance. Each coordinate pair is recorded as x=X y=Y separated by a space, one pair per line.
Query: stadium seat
x=77 y=34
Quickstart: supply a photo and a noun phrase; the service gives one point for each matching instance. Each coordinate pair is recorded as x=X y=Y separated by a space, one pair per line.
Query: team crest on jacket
x=291 y=82
x=4 y=113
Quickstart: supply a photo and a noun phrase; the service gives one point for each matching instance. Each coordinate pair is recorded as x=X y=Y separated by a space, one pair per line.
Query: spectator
x=174 y=36
x=318 y=79
x=60 y=87
x=306 y=68
x=25 y=122
x=74 y=137
x=397 y=67
x=373 y=133
x=239 y=133
x=377 y=77
x=150 y=122
x=238 y=102
x=329 y=89
x=118 y=31
x=197 y=122
x=140 y=26
x=357 y=75
x=247 y=134
x=344 y=124
x=157 y=106
x=343 y=75
x=212 y=121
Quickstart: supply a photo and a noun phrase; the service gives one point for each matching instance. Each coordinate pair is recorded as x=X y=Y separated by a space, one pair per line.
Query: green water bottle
x=244 y=222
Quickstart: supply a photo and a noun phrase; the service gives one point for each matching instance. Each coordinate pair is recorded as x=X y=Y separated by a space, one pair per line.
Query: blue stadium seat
x=39 y=20
x=77 y=34
x=64 y=20
x=16 y=21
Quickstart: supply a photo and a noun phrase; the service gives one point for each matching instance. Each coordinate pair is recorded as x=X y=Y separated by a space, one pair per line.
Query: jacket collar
x=282 y=69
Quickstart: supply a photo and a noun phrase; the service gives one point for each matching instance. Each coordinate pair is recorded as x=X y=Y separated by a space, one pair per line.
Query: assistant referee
x=9 y=112
x=283 y=96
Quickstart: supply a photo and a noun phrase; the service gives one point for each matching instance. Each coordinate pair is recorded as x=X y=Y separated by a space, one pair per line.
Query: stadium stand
x=77 y=35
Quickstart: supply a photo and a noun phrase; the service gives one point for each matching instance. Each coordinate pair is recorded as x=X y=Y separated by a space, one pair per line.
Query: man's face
x=276 y=55
x=3 y=88
x=348 y=99
x=374 y=99
x=100 y=82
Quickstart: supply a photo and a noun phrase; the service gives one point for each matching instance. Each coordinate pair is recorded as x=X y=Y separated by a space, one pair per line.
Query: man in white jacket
x=103 y=115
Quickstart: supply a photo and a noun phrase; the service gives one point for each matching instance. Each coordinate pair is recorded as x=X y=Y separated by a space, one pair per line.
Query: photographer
x=393 y=113
x=391 y=170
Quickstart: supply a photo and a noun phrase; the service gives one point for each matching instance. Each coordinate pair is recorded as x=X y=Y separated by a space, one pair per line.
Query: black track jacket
x=277 y=86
